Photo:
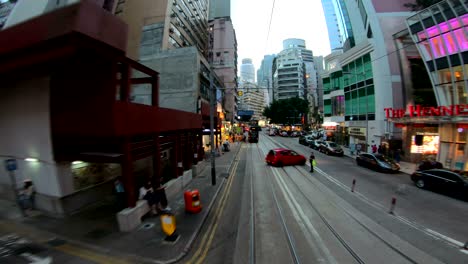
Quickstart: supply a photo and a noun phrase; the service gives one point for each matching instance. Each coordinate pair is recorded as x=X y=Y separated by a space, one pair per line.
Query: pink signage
x=443 y=42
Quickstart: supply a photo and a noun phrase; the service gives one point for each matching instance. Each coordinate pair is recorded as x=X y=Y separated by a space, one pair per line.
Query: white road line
x=36 y=259
x=301 y=217
x=446 y=238
x=412 y=224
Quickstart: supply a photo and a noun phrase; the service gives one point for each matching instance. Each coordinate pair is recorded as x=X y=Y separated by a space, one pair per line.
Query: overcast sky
x=302 y=19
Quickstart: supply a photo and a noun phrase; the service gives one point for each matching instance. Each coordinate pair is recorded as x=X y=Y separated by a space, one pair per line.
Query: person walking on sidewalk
x=312 y=161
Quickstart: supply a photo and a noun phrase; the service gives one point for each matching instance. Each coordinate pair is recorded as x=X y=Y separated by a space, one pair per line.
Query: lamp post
x=212 y=106
x=367 y=106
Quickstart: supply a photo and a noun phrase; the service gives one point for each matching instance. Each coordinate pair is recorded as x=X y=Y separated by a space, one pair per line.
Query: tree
x=420 y=4
x=286 y=111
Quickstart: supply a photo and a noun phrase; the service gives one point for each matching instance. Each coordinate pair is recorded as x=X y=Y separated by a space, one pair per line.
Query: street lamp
x=367 y=105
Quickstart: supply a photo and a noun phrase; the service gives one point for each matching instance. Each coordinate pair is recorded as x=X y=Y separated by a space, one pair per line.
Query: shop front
x=439 y=133
x=357 y=138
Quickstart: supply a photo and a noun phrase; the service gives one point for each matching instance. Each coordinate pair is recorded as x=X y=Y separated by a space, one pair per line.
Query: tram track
x=335 y=233
x=280 y=211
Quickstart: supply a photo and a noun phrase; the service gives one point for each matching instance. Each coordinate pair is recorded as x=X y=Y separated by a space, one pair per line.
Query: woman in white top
x=147 y=193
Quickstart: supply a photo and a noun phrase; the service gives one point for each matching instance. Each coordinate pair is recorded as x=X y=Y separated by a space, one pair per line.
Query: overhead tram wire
x=269 y=25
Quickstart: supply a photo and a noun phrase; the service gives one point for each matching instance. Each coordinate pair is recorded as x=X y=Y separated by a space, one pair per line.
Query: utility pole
x=212 y=109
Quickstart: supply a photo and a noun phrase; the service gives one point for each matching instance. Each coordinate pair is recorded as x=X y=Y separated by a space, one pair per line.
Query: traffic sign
x=240 y=93
x=10 y=164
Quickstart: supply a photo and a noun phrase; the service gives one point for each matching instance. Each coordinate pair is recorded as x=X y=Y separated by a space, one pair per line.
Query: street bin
x=192 y=201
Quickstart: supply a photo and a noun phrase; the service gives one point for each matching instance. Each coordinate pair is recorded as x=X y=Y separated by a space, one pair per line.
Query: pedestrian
x=120 y=194
x=358 y=149
x=380 y=149
x=26 y=195
x=147 y=193
x=397 y=155
x=312 y=161
x=374 y=148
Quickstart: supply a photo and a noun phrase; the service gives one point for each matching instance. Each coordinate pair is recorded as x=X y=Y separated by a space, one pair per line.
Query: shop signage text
x=356 y=131
x=419 y=111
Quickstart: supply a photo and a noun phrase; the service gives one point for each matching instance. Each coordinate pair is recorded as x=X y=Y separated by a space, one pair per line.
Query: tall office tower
x=247 y=71
x=295 y=73
x=318 y=61
x=264 y=77
x=338 y=24
x=222 y=55
x=156 y=26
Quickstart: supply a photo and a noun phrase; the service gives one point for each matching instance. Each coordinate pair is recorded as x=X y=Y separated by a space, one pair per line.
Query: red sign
x=419 y=111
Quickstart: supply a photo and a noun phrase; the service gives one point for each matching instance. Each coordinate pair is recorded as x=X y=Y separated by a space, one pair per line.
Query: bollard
x=392 y=207
x=354 y=184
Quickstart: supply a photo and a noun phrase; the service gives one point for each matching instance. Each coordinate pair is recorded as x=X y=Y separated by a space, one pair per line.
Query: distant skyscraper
x=264 y=77
x=247 y=71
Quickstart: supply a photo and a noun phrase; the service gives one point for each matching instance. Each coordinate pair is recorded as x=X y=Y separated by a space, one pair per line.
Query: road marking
x=412 y=224
x=300 y=216
x=36 y=259
x=446 y=238
x=205 y=244
x=89 y=255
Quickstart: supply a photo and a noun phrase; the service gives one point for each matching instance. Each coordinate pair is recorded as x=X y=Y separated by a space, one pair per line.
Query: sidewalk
x=405 y=167
x=96 y=227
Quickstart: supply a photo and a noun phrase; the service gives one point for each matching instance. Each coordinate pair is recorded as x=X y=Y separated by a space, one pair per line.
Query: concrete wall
x=25 y=126
x=179 y=77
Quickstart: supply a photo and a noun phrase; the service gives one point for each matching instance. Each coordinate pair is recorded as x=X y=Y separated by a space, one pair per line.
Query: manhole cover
x=55 y=242
x=98 y=233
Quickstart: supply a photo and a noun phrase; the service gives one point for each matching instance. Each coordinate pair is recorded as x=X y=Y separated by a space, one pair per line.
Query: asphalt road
x=288 y=215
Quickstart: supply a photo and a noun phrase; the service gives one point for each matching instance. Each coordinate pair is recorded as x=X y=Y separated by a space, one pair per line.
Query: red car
x=281 y=156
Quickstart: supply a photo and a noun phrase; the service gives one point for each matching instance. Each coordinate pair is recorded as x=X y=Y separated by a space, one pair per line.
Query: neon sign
x=446 y=38
x=421 y=111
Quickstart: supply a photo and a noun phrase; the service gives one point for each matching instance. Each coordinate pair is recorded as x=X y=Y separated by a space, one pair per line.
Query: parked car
x=295 y=134
x=315 y=144
x=377 y=162
x=440 y=179
x=305 y=140
x=331 y=148
x=283 y=133
x=282 y=157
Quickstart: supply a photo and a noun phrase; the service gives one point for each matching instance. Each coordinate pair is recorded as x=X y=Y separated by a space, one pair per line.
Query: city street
x=289 y=215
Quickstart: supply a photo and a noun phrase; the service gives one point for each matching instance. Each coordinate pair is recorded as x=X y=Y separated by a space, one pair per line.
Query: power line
x=269 y=26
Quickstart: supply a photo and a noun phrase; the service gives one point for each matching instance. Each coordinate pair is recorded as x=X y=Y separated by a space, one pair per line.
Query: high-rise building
x=156 y=26
x=295 y=73
x=222 y=56
x=247 y=71
x=264 y=77
x=219 y=8
x=5 y=10
x=338 y=24
x=366 y=74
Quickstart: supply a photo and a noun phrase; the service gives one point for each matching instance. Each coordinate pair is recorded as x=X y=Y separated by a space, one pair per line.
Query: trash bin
x=192 y=201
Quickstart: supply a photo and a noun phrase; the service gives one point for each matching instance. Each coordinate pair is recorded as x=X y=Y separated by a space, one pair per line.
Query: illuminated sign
x=445 y=38
x=420 y=111
x=430 y=144
x=357 y=131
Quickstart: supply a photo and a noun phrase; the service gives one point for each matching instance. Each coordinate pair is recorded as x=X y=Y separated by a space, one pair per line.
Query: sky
x=301 y=19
